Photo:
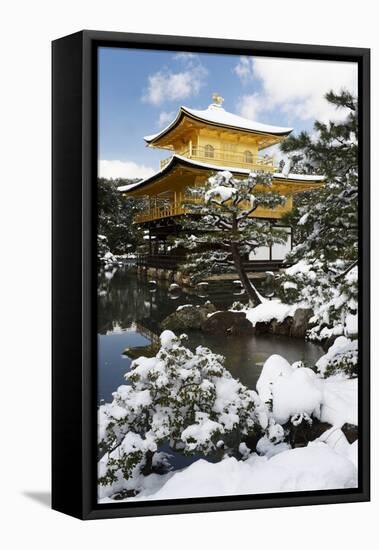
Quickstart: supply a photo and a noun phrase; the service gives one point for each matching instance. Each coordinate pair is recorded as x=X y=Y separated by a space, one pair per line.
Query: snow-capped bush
x=298 y=395
x=183 y=398
x=292 y=391
x=341 y=357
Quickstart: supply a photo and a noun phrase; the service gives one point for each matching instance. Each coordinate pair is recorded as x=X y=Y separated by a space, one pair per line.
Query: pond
x=129 y=314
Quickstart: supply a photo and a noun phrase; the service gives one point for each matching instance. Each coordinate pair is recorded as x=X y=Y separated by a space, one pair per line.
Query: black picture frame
x=74 y=151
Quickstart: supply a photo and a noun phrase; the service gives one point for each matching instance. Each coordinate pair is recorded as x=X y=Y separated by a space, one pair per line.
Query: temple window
x=209 y=151
x=248 y=157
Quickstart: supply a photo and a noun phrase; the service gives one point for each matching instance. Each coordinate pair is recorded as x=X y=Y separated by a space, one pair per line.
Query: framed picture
x=210 y=274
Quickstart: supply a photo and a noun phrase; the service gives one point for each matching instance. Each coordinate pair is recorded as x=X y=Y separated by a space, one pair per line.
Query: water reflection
x=128 y=312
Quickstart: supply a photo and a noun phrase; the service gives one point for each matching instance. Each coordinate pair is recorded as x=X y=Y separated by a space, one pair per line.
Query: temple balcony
x=226 y=158
x=173 y=209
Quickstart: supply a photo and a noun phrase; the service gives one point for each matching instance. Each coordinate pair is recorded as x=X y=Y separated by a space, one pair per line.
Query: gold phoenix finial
x=217 y=99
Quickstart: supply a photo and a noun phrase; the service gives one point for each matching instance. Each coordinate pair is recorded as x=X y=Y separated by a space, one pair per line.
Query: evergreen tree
x=222 y=231
x=325 y=222
x=115 y=216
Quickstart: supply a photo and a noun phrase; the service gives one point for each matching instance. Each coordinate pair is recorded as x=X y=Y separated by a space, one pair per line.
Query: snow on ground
x=336 y=439
x=340 y=401
x=315 y=467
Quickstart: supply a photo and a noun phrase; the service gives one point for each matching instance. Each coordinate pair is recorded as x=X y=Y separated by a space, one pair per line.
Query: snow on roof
x=276 y=175
x=215 y=114
x=128 y=186
x=174 y=158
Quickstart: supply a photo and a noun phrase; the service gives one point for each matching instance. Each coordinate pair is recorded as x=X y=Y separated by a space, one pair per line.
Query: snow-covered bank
x=189 y=401
x=315 y=467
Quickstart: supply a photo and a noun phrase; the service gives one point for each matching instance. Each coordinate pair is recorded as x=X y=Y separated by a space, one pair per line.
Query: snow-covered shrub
x=341 y=357
x=293 y=392
x=297 y=395
x=183 y=398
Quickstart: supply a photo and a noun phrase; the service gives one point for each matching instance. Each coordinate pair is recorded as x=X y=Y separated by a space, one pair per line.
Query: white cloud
x=296 y=86
x=243 y=68
x=186 y=56
x=166 y=85
x=123 y=169
x=249 y=106
x=165 y=118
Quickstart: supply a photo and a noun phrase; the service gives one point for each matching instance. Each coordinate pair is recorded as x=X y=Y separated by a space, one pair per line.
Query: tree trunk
x=251 y=291
x=148 y=466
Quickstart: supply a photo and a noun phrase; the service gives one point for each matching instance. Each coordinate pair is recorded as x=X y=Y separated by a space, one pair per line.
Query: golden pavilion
x=201 y=142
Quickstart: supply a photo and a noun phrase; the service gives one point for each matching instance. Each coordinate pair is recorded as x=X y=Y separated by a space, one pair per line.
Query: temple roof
x=176 y=160
x=215 y=115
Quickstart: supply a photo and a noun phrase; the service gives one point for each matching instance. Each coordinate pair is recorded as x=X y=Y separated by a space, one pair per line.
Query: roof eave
x=183 y=111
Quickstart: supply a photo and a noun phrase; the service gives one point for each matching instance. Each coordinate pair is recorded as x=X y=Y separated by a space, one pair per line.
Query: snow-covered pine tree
x=115 y=216
x=185 y=399
x=325 y=222
x=220 y=227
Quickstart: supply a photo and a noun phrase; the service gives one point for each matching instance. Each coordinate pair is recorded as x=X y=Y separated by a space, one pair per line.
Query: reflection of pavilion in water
x=148 y=351
x=144 y=331
x=124 y=302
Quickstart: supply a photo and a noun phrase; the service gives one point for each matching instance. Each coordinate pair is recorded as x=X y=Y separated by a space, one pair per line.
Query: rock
x=228 y=322
x=188 y=317
x=300 y=322
x=262 y=328
x=295 y=326
x=350 y=431
x=302 y=434
x=275 y=327
x=282 y=328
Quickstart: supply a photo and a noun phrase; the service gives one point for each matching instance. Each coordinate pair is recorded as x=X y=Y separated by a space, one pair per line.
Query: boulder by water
x=295 y=326
x=188 y=317
x=228 y=322
x=300 y=322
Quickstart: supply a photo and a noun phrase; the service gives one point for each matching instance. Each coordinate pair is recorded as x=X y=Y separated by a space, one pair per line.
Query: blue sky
x=141 y=90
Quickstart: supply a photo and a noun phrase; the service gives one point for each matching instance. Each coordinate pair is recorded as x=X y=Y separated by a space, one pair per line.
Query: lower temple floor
x=173 y=262
x=159 y=253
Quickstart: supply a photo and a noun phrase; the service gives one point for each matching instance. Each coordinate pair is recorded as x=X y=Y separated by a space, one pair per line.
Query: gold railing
x=226 y=158
x=159 y=212
x=177 y=209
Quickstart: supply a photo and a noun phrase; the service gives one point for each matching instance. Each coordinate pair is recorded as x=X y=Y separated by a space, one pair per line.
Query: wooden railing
x=226 y=158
